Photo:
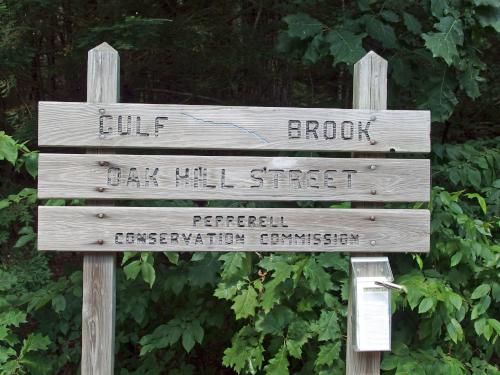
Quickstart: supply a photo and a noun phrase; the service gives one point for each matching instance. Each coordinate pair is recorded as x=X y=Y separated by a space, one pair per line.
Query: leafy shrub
x=276 y=313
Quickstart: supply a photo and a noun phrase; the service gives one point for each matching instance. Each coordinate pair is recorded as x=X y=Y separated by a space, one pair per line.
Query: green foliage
x=345 y=46
x=440 y=52
x=9 y=150
x=253 y=313
x=302 y=26
x=144 y=265
x=452 y=303
x=290 y=312
x=23 y=293
x=444 y=43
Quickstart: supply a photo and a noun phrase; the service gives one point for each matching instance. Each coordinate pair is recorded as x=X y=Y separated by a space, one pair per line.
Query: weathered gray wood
x=198 y=228
x=215 y=127
x=369 y=92
x=232 y=178
x=99 y=270
x=370 y=83
x=98 y=313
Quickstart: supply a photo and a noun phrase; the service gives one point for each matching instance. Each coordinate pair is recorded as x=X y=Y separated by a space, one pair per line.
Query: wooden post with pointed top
x=98 y=310
x=369 y=92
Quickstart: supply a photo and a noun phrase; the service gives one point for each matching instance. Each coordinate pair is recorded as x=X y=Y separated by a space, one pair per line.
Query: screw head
x=372 y=218
x=372 y=167
x=100 y=216
x=103 y=163
x=100 y=189
x=100 y=242
x=101 y=111
x=372 y=142
x=373 y=192
x=373 y=118
x=373 y=243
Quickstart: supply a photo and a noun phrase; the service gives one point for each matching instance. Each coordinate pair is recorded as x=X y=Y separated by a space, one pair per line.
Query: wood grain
x=369 y=92
x=232 y=178
x=216 y=127
x=198 y=228
x=98 y=313
x=99 y=270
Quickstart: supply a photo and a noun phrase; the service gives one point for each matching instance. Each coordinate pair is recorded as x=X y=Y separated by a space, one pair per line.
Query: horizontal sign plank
x=232 y=178
x=217 y=127
x=231 y=229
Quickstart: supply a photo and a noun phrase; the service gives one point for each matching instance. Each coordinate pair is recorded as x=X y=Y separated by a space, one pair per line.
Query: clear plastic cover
x=372 y=267
x=372 y=304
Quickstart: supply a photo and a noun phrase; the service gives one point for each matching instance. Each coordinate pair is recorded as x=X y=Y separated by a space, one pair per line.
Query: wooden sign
x=231 y=229
x=103 y=229
x=246 y=128
x=232 y=178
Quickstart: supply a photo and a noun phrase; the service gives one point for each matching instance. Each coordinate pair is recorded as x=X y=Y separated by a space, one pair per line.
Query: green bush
x=276 y=312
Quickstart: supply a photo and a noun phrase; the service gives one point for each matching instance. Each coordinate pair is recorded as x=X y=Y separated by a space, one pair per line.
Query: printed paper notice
x=373 y=320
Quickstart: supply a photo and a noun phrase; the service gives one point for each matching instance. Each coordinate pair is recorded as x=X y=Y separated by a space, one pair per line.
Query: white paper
x=373 y=318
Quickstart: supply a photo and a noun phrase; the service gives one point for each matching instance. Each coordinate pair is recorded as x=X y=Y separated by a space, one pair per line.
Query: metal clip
x=389 y=285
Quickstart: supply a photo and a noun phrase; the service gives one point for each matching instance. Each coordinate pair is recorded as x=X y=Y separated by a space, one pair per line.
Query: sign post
x=101 y=229
x=369 y=92
x=99 y=270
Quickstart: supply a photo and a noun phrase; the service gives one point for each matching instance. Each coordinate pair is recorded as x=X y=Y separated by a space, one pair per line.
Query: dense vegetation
x=248 y=313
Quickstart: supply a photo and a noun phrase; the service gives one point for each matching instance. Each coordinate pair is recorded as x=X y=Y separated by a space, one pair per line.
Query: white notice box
x=373 y=317
x=372 y=304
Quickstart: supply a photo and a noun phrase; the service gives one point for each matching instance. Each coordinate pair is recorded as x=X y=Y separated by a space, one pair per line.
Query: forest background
x=248 y=313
